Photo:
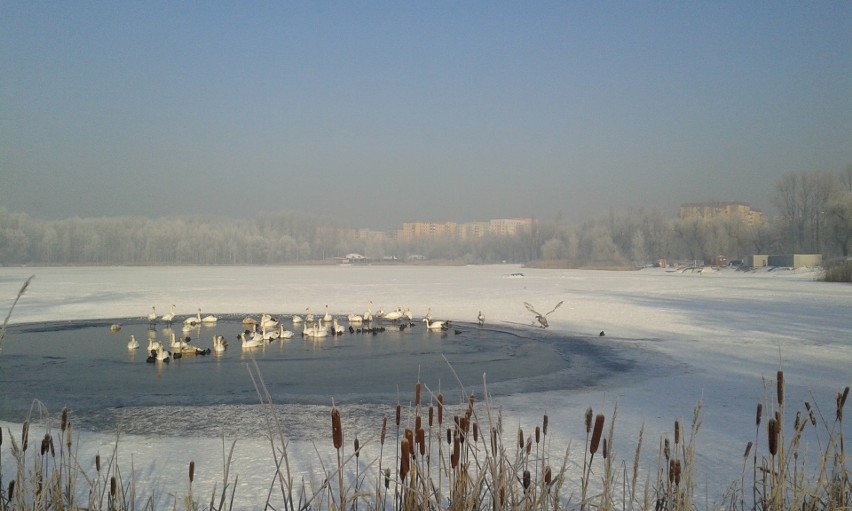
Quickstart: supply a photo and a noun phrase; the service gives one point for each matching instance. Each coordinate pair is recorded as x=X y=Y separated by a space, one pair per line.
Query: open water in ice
x=84 y=366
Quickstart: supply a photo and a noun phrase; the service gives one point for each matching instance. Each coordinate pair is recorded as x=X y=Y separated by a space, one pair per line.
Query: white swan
x=285 y=334
x=249 y=321
x=319 y=329
x=309 y=317
x=209 y=319
x=436 y=325
x=153 y=345
x=193 y=320
x=168 y=318
x=254 y=342
x=338 y=330
x=132 y=344
x=481 y=318
x=159 y=355
x=327 y=317
x=408 y=314
x=152 y=316
x=307 y=330
x=428 y=314
x=219 y=343
x=179 y=345
x=297 y=318
x=368 y=316
x=354 y=318
x=267 y=322
x=394 y=315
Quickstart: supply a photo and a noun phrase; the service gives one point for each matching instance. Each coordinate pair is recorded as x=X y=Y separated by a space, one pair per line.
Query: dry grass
x=468 y=461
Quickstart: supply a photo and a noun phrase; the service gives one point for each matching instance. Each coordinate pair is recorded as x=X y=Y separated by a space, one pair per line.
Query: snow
x=727 y=332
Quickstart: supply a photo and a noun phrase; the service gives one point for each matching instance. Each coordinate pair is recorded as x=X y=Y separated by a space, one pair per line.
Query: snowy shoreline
x=729 y=332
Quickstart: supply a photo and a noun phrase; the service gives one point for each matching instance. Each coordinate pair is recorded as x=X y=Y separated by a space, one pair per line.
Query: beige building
x=711 y=210
x=511 y=226
x=412 y=230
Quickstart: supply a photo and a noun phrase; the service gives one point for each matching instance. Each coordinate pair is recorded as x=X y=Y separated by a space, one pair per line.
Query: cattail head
x=544 y=425
x=387 y=478
x=98 y=462
x=417 y=394
x=759 y=414
x=454 y=460
x=667 y=450
x=431 y=414
x=112 y=486
x=772 y=431
x=384 y=430
x=747 y=450
x=604 y=450
x=841 y=400
x=398 y=414
x=520 y=438
x=548 y=475
x=780 y=387
x=494 y=440
x=596 y=433
x=409 y=435
x=421 y=441
x=191 y=471
x=537 y=434
x=11 y=492
x=25 y=433
x=405 y=458
x=526 y=479
x=476 y=432
x=677 y=432
x=588 y=420
x=357 y=447
x=440 y=409
x=45 y=444
x=68 y=436
x=449 y=436
x=336 y=428
x=418 y=422
x=64 y=421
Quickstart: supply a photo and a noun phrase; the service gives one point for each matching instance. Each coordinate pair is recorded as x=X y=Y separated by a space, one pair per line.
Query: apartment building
x=711 y=210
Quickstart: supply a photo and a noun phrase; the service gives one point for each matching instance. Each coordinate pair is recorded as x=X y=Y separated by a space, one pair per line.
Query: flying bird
x=542 y=318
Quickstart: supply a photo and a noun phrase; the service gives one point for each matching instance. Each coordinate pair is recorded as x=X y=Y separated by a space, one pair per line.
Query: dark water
x=84 y=366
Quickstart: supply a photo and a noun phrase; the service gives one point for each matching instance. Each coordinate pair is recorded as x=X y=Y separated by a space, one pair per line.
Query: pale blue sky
x=384 y=112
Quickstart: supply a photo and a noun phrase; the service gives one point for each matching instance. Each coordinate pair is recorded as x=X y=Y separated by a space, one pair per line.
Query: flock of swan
x=260 y=332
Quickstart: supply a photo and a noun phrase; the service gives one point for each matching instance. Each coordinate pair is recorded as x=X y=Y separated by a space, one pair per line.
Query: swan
x=428 y=314
x=152 y=316
x=297 y=319
x=254 y=342
x=338 y=330
x=158 y=355
x=327 y=317
x=219 y=343
x=394 y=315
x=168 y=318
x=193 y=320
x=132 y=344
x=153 y=345
x=285 y=334
x=408 y=314
x=354 y=318
x=319 y=329
x=179 y=345
x=267 y=322
x=436 y=325
x=270 y=335
x=481 y=318
x=208 y=319
x=309 y=317
x=307 y=330
x=249 y=321
x=368 y=316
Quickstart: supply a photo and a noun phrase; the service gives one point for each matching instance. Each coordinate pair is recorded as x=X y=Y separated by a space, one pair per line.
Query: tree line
x=814 y=216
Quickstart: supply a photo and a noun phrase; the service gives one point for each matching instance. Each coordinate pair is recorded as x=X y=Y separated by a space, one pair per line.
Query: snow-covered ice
x=727 y=332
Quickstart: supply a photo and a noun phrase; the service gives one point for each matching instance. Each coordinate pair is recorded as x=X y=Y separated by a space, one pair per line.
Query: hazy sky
x=383 y=112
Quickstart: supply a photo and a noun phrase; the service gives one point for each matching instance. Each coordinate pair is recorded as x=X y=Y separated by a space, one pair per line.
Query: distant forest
x=814 y=216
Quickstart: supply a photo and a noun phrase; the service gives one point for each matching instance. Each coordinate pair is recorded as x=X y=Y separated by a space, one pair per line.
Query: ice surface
x=728 y=333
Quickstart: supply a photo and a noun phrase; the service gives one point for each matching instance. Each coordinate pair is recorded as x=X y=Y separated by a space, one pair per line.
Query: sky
x=378 y=113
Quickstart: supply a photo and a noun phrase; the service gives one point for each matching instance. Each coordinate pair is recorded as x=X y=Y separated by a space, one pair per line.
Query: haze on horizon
x=380 y=113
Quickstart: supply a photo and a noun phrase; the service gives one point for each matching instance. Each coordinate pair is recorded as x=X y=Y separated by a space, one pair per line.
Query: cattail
x=747 y=450
x=839 y=414
x=357 y=448
x=421 y=441
x=677 y=432
x=384 y=430
x=336 y=428
x=431 y=413
x=64 y=422
x=464 y=427
x=112 y=486
x=52 y=452
x=797 y=424
x=667 y=451
x=537 y=434
x=475 y=432
x=454 y=461
x=520 y=438
x=68 y=436
x=772 y=430
x=387 y=478
x=845 y=395
x=191 y=471
x=759 y=414
x=596 y=434
x=409 y=435
x=526 y=479
x=25 y=433
x=604 y=450
x=671 y=471
x=811 y=415
x=1 y=437
x=494 y=440
x=449 y=436
x=398 y=414
x=780 y=388
x=404 y=459
x=45 y=444
x=547 y=475
x=11 y=491
x=676 y=472
x=418 y=422
x=544 y=425
x=417 y=394
x=98 y=462
x=440 y=409
x=588 y=418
